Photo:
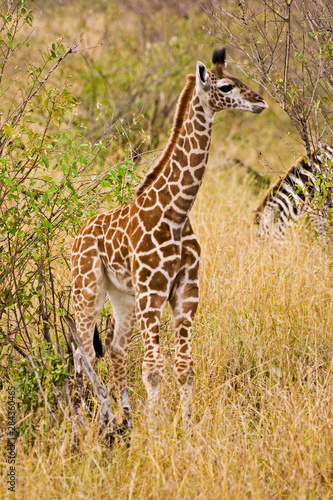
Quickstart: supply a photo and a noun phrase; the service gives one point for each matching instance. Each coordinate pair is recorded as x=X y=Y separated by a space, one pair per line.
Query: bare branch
x=41 y=389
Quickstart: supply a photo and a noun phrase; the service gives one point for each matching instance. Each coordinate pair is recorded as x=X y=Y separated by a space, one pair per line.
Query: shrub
x=47 y=191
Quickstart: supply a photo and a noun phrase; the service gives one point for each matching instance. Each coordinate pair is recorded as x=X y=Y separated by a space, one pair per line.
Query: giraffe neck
x=179 y=182
x=181 y=111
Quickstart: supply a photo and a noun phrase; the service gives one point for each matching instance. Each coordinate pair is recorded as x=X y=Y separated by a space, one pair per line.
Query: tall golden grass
x=263 y=398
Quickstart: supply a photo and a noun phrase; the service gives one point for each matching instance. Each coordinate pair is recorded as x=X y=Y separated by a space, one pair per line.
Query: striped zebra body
x=304 y=189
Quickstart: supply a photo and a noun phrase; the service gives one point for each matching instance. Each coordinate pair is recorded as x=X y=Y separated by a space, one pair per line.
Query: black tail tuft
x=219 y=56
x=98 y=344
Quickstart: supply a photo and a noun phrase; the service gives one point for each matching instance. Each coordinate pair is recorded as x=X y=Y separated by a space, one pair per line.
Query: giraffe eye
x=226 y=88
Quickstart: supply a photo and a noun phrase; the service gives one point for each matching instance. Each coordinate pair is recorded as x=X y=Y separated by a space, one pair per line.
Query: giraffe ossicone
x=145 y=253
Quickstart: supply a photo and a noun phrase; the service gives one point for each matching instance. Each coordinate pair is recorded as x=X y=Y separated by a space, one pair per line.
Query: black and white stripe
x=304 y=188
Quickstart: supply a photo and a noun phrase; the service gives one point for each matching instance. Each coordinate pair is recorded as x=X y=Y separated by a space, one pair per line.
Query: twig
x=287 y=55
x=15 y=346
x=87 y=48
x=41 y=389
x=45 y=316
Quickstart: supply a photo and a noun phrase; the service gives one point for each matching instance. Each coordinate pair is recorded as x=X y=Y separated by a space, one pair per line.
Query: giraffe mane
x=182 y=107
x=277 y=184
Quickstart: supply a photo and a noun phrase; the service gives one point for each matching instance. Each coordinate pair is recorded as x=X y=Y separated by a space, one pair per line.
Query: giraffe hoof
x=108 y=430
x=124 y=431
x=127 y=422
x=127 y=411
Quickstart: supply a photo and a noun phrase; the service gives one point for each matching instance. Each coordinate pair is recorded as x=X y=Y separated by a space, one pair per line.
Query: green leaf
x=47 y=224
x=105 y=183
x=45 y=160
x=9 y=131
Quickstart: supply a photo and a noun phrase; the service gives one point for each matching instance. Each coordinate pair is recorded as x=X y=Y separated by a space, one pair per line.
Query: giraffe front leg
x=184 y=300
x=184 y=303
x=149 y=312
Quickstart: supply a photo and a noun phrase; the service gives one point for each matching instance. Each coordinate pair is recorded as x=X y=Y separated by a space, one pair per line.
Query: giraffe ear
x=203 y=78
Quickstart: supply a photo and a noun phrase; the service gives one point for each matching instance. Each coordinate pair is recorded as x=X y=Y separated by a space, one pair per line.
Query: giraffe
x=145 y=253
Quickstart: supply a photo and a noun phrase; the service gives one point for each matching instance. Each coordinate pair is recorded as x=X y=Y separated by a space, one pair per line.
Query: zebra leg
x=321 y=228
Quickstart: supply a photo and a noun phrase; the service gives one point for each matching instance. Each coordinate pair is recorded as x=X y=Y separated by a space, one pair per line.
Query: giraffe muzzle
x=258 y=108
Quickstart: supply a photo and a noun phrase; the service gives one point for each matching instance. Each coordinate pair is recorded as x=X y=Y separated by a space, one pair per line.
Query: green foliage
x=52 y=371
x=65 y=135
x=319 y=196
x=52 y=180
x=136 y=80
x=323 y=201
x=121 y=179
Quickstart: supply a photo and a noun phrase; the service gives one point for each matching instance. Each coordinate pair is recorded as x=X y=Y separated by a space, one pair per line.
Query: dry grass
x=262 y=342
x=263 y=419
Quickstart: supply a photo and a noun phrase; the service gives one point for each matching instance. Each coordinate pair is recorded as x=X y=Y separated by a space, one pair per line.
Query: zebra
x=305 y=188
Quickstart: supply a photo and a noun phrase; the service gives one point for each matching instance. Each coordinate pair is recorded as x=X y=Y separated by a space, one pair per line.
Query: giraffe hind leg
x=88 y=293
x=117 y=339
x=88 y=299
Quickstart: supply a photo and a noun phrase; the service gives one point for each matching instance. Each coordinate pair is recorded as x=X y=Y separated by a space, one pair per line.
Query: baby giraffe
x=145 y=253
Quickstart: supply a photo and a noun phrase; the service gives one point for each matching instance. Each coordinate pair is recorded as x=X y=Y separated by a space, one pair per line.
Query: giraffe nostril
x=258 y=104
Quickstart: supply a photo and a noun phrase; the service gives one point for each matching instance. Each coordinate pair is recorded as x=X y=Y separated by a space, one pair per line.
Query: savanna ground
x=262 y=345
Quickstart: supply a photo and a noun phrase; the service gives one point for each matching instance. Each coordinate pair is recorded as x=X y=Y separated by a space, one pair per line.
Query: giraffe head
x=218 y=90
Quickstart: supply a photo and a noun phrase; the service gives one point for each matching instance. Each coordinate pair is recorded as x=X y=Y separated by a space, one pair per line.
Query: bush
x=48 y=190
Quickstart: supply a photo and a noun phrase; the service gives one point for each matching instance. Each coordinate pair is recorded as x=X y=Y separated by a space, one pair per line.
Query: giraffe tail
x=98 y=344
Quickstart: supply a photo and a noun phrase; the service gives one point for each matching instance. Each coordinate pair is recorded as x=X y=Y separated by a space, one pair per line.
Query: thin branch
x=41 y=389
x=288 y=41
